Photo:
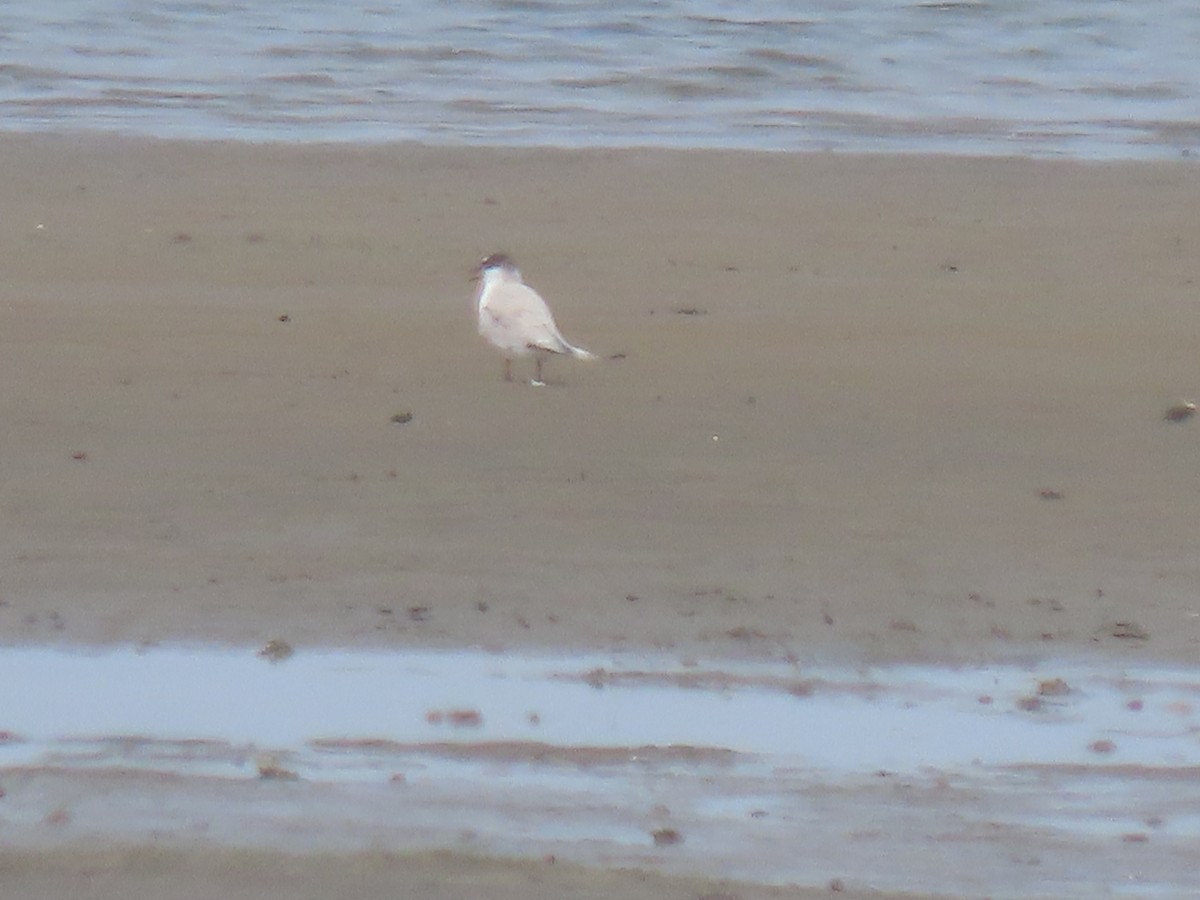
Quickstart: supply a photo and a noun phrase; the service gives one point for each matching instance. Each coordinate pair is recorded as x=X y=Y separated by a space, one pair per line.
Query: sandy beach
x=847 y=409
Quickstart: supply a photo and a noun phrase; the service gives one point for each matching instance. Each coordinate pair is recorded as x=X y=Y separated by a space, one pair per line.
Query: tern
x=515 y=319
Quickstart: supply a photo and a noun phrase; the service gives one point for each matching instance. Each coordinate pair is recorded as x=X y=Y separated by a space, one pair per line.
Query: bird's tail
x=565 y=346
x=580 y=353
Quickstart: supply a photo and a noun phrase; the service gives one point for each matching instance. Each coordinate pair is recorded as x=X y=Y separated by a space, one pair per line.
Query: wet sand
x=149 y=874
x=848 y=409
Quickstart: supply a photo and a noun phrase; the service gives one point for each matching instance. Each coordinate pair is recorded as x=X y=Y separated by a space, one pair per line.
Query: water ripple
x=1060 y=77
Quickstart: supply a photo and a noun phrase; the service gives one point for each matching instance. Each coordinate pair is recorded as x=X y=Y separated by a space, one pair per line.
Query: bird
x=515 y=319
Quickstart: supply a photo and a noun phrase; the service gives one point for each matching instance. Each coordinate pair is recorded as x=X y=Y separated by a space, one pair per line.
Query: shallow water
x=767 y=771
x=830 y=720
x=1059 y=77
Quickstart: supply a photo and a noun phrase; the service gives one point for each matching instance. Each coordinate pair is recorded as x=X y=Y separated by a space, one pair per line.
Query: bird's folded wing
x=519 y=311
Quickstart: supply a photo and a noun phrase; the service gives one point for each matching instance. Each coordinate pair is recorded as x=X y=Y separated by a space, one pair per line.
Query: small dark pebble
x=1180 y=412
x=665 y=837
x=269 y=769
x=276 y=650
x=1128 y=631
x=402 y=418
x=1053 y=687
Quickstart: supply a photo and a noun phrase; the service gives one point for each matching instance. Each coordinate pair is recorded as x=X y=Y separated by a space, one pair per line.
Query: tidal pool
x=1061 y=778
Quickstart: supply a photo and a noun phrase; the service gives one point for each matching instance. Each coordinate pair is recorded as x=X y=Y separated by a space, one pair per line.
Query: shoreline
x=1120 y=155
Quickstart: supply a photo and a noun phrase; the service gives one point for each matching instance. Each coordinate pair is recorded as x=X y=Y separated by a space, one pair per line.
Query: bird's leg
x=538 y=374
x=507 y=369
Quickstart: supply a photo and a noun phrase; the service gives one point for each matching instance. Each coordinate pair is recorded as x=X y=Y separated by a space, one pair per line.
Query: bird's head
x=497 y=261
